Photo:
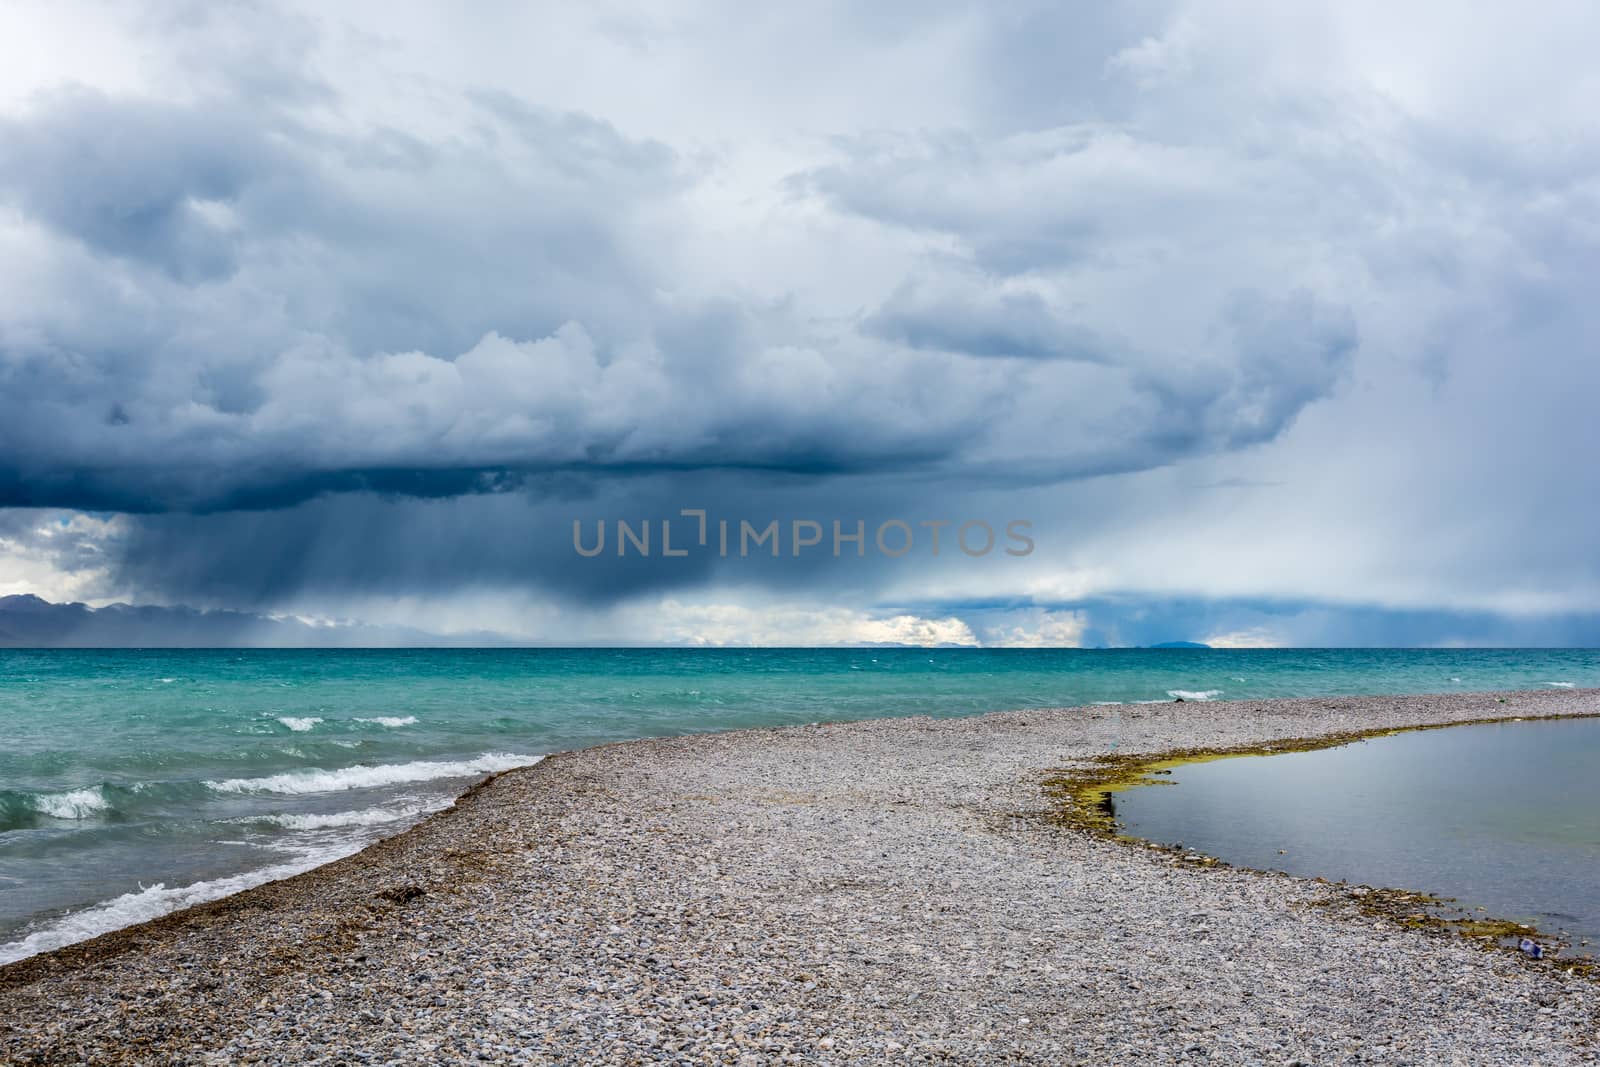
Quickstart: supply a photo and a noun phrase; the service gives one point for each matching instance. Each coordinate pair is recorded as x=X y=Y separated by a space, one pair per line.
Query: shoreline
x=552 y=908
x=1084 y=794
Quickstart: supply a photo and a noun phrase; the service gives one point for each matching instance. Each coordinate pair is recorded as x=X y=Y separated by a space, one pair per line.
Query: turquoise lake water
x=1503 y=817
x=135 y=782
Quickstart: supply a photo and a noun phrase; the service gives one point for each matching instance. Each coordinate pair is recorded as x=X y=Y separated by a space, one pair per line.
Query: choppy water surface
x=1504 y=817
x=133 y=782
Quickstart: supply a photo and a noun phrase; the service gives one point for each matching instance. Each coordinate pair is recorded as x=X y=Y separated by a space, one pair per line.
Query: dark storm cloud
x=362 y=544
x=130 y=179
x=359 y=544
x=998 y=257
x=224 y=260
x=249 y=306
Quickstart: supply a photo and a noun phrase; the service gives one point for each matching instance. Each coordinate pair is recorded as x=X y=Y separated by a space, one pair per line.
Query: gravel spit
x=870 y=892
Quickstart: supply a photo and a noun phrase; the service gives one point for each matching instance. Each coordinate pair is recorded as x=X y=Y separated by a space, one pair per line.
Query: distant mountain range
x=30 y=622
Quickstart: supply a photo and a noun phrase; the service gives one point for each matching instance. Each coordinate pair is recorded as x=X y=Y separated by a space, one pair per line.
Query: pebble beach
x=889 y=891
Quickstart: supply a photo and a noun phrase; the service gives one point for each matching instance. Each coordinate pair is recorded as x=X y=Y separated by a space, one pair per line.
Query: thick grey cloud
x=364 y=544
x=218 y=279
x=982 y=320
x=354 y=304
x=249 y=300
x=134 y=179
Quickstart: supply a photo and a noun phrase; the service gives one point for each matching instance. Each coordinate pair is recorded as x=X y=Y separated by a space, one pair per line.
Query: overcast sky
x=1276 y=322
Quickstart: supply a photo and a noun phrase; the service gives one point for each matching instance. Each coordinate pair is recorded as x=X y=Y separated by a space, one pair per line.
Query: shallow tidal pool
x=1502 y=817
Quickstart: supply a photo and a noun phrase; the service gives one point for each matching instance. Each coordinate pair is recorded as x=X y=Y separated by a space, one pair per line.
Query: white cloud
x=57 y=555
x=1045 y=629
x=1254 y=638
x=721 y=624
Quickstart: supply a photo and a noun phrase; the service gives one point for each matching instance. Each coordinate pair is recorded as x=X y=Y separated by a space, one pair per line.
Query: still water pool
x=1504 y=817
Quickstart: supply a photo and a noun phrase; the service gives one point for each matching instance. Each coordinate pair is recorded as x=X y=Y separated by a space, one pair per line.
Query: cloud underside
x=1230 y=305
x=229 y=304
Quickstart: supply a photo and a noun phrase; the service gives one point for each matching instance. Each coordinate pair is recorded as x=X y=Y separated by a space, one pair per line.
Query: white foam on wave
x=363 y=817
x=299 y=724
x=363 y=776
x=150 y=902
x=75 y=804
x=392 y=721
x=1186 y=694
x=1563 y=685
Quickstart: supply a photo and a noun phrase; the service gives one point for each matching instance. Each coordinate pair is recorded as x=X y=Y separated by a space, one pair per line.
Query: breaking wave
x=363 y=817
x=299 y=724
x=361 y=776
x=149 y=902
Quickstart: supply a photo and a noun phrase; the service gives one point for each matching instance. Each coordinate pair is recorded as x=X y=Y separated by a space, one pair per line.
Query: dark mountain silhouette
x=31 y=622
